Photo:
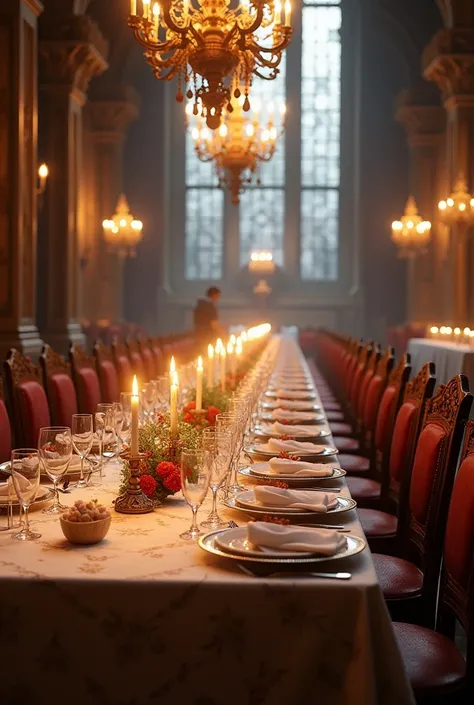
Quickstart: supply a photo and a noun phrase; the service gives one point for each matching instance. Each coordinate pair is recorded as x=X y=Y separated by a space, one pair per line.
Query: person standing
x=206 y=317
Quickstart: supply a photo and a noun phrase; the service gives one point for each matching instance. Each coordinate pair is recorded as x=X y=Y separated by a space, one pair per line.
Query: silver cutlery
x=293 y=574
x=335 y=527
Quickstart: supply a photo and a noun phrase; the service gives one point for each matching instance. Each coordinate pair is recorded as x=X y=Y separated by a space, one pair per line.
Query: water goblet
x=25 y=469
x=55 y=451
x=195 y=479
x=82 y=440
x=216 y=444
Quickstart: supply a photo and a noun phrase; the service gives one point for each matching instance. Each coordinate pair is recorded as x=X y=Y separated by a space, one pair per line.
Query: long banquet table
x=145 y=617
x=450 y=358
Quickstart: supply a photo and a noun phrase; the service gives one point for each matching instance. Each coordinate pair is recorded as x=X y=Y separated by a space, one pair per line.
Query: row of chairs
x=409 y=458
x=33 y=396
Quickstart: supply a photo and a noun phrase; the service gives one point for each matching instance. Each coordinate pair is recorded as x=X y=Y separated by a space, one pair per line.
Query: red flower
x=189 y=418
x=148 y=485
x=190 y=406
x=164 y=469
x=172 y=482
x=211 y=415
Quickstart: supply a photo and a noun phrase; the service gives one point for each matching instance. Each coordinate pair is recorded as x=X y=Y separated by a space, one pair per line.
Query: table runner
x=145 y=617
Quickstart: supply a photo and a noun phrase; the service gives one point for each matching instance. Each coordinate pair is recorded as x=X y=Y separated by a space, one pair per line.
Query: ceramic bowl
x=87 y=532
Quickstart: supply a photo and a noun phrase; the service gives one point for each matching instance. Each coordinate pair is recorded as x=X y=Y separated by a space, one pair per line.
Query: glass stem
x=213 y=514
x=82 y=469
x=194 y=526
x=100 y=457
x=56 y=493
x=27 y=519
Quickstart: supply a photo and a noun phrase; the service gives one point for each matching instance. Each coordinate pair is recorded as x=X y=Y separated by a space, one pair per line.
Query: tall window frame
x=346 y=267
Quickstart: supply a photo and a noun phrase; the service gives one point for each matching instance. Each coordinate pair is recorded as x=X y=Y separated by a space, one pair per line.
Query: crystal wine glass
x=126 y=404
x=82 y=440
x=55 y=451
x=25 y=468
x=196 y=470
x=217 y=445
x=105 y=431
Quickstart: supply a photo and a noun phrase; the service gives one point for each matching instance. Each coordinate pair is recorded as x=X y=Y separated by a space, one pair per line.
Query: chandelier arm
x=165 y=47
x=271 y=63
x=270 y=50
x=255 y=24
x=166 y=5
x=231 y=34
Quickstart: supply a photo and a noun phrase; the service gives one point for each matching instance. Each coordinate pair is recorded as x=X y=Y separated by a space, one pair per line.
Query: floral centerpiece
x=160 y=474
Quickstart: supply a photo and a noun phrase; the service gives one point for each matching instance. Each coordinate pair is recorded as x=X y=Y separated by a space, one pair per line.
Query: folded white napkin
x=295 y=538
x=299 y=468
x=295 y=404
x=281 y=429
x=293 y=393
x=292 y=415
x=276 y=446
x=319 y=502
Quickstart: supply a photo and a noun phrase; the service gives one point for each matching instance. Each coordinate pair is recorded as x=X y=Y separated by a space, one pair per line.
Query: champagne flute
x=195 y=479
x=55 y=451
x=216 y=443
x=25 y=468
x=82 y=439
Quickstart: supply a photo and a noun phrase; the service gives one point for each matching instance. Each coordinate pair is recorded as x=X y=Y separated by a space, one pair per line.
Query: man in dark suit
x=206 y=317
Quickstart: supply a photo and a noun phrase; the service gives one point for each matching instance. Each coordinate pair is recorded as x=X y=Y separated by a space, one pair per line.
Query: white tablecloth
x=145 y=617
x=450 y=359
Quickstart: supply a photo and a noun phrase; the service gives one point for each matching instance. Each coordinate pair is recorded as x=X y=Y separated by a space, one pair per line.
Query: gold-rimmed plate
x=296 y=420
x=261 y=471
x=300 y=405
x=266 y=432
x=302 y=394
x=260 y=451
x=247 y=502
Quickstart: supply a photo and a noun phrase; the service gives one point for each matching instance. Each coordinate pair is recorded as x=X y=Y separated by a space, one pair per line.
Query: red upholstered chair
x=60 y=388
x=122 y=365
x=382 y=528
x=368 y=490
x=108 y=376
x=86 y=380
x=136 y=362
x=27 y=397
x=436 y=668
x=5 y=429
x=354 y=383
x=148 y=357
x=409 y=580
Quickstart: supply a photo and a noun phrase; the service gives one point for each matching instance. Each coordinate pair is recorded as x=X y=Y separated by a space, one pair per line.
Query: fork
x=288 y=574
x=335 y=527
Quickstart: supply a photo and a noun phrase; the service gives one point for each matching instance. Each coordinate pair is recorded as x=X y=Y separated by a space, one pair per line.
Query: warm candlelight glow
x=230 y=348
x=199 y=374
x=232 y=339
x=172 y=366
x=434 y=330
x=135 y=386
x=199 y=364
x=135 y=404
x=244 y=336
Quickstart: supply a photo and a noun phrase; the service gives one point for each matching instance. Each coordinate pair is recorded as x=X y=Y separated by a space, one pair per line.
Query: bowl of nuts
x=85 y=522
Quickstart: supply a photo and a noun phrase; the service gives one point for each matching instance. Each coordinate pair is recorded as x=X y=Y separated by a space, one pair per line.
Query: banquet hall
x=237 y=352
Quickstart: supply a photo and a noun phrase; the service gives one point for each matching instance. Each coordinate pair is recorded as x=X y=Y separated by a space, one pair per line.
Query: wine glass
x=82 y=440
x=195 y=478
x=126 y=404
x=217 y=443
x=147 y=400
x=105 y=432
x=55 y=451
x=25 y=468
x=162 y=390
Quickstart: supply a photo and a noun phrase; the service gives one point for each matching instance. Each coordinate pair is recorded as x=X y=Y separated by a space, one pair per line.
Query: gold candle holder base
x=133 y=500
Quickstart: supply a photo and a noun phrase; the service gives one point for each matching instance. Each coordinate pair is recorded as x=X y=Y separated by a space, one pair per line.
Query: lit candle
x=210 y=366
x=133 y=7
x=174 y=403
x=135 y=403
x=287 y=13
x=172 y=367
x=223 y=366
x=457 y=335
x=467 y=333
x=233 y=360
x=232 y=339
x=277 y=12
x=199 y=371
x=434 y=330
x=43 y=173
x=243 y=336
x=146 y=9
x=156 y=19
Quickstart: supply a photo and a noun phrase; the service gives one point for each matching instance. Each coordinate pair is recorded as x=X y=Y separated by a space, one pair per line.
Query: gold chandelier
x=458 y=208
x=411 y=233
x=240 y=145
x=212 y=48
x=122 y=232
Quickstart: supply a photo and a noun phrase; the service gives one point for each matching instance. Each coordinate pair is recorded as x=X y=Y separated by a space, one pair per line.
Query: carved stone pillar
x=70 y=55
x=449 y=62
x=18 y=167
x=425 y=124
x=108 y=122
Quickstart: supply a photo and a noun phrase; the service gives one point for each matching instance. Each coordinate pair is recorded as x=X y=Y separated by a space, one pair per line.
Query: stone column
x=420 y=111
x=70 y=55
x=18 y=175
x=449 y=62
x=108 y=121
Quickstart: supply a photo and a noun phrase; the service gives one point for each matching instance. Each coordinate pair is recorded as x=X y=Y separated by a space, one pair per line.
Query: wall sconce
x=43 y=173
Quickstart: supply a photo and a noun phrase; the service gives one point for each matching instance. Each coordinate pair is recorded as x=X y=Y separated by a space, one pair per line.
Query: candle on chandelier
x=146 y=9
x=133 y=7
x=287 y=13
x=210 y=366
x=199 y=373
x=135 y=404
x=174 y=388
x=156 y=18
x=277 y=12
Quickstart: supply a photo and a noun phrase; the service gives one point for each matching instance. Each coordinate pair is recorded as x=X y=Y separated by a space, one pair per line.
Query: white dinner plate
x=276 y=405
x=209 y=543
x=261 y=450
x=266 y=431
x=344 y=505
x=44 y=494
x=309 y=394
x=262 y=471
x=235 y=541
x=247 y=500
x=296 y=421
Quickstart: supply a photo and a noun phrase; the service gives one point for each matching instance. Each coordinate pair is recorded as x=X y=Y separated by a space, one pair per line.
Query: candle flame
x=230 y=348
x=233 y=339
x=172 y=366
x=219 y=346
x=244 y=336
x=210 y=351
x=135 y=386
x=199 y=364
x=238 y=346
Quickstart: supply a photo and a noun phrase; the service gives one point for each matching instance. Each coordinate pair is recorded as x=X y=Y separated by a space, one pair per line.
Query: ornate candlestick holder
x=133 y=500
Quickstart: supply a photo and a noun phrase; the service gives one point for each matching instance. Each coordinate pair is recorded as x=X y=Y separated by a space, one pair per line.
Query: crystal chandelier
x=240 y=145
x=458 y=208
x=411 y=233
x=211 y=48
x=122 y=232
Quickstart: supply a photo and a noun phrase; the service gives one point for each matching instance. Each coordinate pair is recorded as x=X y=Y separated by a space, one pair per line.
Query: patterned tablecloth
x=145 y=617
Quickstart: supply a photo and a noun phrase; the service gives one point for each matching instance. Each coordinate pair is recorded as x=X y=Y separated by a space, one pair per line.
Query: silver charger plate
x=266 y=433
x=274 y=405
x=256 y=451
x=260 y=471
x=235 y=541
x=354 y=545
x=318 y=419
x=271 y=394
x=344 y=504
